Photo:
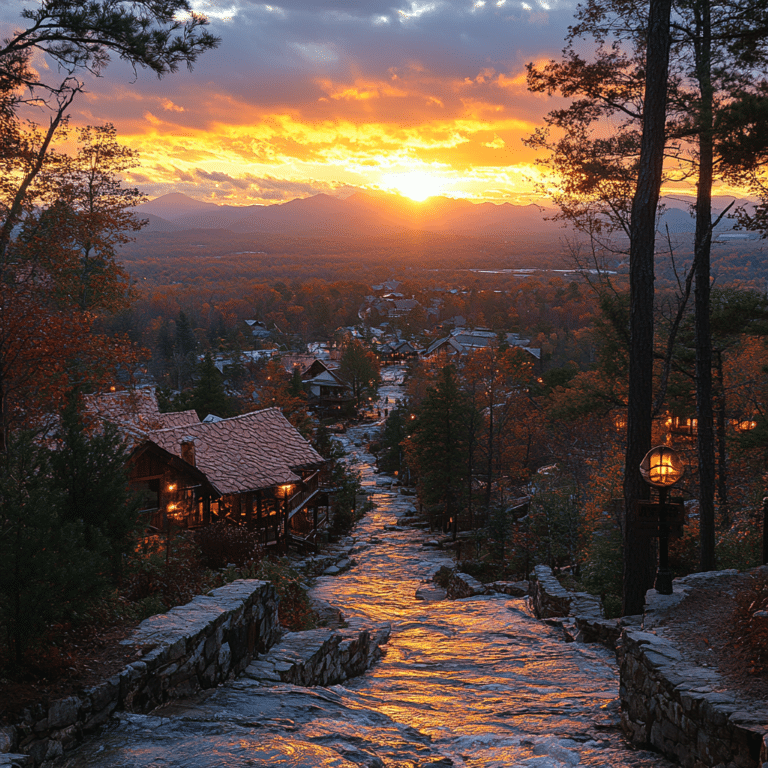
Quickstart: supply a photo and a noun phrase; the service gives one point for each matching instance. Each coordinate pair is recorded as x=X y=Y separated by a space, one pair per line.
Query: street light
x=662 y=467
x=285 y=492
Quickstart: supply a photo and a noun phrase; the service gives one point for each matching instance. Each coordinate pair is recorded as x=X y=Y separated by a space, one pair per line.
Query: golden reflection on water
x=474 y=683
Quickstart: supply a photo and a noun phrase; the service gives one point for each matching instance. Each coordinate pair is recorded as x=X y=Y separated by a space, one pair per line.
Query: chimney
x=188 y=449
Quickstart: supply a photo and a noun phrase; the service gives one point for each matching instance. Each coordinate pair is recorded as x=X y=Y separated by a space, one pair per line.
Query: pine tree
x=359 y=367
x=89 y=483
x=208 y=395
x=441 y=447
x=46 y=569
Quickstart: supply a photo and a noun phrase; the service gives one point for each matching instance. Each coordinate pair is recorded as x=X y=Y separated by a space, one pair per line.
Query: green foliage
x=164 y=571
x=601 y=572
x=47 y=571
x=499 y=532
x=555 y=521
x=208 y=395
x=740 y=546
x=359 y=367
x=441 y=447
x=222 y=544
x=89 y=486
x=295 y=610
x=346 y=510
x=391 y=452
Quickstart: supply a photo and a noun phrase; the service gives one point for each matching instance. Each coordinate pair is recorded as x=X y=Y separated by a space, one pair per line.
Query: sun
x=418 y=185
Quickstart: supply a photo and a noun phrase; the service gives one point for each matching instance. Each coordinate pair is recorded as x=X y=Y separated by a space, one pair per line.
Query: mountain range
x=377 y=213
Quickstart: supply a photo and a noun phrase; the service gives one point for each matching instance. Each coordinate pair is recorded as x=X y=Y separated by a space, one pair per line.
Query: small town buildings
x=397 y=351
x=461 y=341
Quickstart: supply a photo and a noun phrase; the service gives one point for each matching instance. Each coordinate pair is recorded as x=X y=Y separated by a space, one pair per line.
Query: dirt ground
x=704 y=629
x=78 y=661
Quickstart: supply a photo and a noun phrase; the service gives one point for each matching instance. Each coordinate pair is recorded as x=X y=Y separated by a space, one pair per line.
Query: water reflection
x=470 y=683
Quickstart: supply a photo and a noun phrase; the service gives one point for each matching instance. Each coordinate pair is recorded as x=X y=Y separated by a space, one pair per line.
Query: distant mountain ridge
x=378 y=213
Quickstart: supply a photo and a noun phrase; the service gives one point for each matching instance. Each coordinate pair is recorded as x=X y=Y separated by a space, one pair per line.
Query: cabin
x=264 y=475
x=326 y=391
x=254 y=470
x=461 y=341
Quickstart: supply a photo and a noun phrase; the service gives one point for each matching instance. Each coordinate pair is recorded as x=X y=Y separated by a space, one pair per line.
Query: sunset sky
x=308 y=96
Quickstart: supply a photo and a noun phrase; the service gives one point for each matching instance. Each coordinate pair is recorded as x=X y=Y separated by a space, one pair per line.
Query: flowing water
x=473 y=682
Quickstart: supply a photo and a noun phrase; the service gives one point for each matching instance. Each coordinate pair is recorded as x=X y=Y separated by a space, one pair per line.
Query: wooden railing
x=302 y=532
x=310 y=486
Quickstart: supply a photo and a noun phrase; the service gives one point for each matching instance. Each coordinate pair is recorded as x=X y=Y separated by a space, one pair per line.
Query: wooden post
x=765 y=531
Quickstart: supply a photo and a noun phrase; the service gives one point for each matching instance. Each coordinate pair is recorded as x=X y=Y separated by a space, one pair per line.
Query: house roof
x=135 y=412
x=447 y=344
x=178 y=419
x=245 y=453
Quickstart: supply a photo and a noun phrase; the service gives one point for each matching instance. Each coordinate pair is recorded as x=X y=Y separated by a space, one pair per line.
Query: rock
x=63 y=712
x=514 y=588
x=431 y=594
x=7 y=740
x=463 y=585
x=551 y=599
x=8 y=760
x=431 y=543
x=331 y=570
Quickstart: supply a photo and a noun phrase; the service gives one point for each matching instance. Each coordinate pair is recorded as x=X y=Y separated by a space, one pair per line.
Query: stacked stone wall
x=193 y=646
x=682 y=710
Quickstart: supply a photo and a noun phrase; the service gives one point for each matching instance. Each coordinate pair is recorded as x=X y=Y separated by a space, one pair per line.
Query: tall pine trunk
x=637 y=550
x=702 y=248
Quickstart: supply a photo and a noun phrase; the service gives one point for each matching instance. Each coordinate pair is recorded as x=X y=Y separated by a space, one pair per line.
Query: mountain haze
x=366 y=214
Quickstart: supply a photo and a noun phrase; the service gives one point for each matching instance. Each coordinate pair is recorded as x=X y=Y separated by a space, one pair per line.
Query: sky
x=311 y=96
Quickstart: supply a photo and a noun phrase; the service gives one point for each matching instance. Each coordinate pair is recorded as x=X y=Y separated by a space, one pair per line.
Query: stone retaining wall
x=463 y=585
x=550 y=599
x=320 y=656
x=193 y=646
x=683 y=710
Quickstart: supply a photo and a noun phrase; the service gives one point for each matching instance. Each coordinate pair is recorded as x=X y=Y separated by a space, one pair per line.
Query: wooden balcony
x=309 y=488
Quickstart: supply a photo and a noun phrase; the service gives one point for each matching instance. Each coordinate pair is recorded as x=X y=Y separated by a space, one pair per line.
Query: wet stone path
x=470 y=683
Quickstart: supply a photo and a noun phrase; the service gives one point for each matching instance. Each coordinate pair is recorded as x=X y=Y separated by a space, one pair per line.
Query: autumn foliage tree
x=62 y=215
x=60 y=275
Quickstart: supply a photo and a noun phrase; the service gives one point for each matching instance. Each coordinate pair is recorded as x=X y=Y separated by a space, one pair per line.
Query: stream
x=466 y=683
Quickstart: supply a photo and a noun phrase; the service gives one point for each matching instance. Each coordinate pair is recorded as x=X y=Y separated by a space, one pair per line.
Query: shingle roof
x=135 y=412
x=178 y=419
x=135 y=408
x=245 y=453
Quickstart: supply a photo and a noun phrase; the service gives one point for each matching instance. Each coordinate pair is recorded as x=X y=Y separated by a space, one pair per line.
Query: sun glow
x=417 y=185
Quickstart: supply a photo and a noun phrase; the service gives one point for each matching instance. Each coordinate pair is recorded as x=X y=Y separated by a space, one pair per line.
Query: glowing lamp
x=662 y=467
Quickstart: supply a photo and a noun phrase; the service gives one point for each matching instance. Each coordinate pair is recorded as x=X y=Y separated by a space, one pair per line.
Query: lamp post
x=662 y=467
x=285 y=491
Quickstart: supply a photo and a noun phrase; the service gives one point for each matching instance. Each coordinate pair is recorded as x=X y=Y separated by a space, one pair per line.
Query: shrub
x=601 y=573
x=222 y=545
x=295 y=612
x=740 y=546
x=163 y=572
x=750 y=625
